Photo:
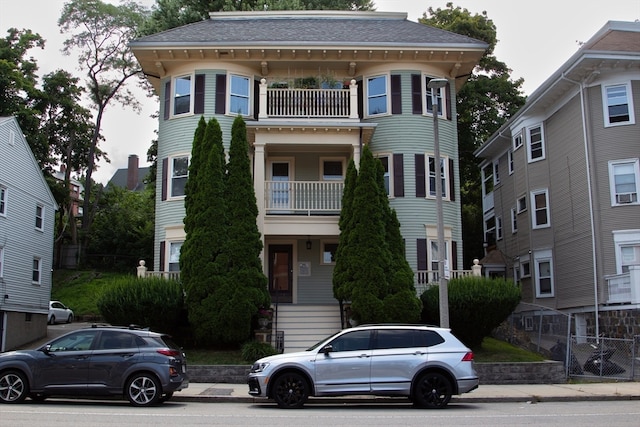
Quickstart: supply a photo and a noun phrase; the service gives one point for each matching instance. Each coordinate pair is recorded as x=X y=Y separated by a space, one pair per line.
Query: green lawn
x=81 y=289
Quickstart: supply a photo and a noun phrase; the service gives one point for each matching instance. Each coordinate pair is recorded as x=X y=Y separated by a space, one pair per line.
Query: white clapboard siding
x=305 y=325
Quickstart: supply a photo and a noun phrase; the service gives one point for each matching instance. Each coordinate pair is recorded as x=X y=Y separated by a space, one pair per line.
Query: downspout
x=586 y=139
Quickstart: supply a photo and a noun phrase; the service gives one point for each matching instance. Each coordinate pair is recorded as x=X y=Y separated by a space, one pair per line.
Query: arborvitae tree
x=342 y=273
x=371 y=256
x=197 y=161
x=401 y=304
x=245 y=287
x=200 y=257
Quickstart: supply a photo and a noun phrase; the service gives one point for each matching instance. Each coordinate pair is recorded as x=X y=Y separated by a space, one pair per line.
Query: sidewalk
x=219 y=392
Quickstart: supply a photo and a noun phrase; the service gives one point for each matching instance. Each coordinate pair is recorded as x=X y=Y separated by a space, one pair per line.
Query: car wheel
x=290 y=390
x=52 y=320
x=433 y=391
x=13 y=387
x=143 y=390
x=70 y=318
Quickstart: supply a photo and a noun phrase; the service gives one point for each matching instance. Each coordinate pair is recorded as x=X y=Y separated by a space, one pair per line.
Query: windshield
x=316 y=345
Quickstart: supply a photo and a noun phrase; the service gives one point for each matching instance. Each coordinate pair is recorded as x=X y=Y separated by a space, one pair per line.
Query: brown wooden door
x=281 y=273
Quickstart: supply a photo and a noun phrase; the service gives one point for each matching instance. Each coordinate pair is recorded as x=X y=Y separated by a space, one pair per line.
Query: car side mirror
x=46 y=349
x=327 y=349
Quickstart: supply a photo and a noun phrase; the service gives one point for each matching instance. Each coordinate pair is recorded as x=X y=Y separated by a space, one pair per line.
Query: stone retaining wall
x=489 y=373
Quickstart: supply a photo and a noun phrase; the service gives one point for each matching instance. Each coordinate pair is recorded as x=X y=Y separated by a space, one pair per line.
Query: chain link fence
x=601 y=357
x=547 y=331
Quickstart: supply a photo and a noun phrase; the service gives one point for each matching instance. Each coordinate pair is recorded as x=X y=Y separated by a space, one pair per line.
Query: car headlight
x=259 y=367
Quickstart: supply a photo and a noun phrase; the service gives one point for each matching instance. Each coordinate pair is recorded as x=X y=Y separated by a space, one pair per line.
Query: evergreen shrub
x=477 y=305
x=254 y=350
x=151 y=302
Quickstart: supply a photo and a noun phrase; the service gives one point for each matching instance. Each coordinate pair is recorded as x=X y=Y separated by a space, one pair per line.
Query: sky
x=534 y=39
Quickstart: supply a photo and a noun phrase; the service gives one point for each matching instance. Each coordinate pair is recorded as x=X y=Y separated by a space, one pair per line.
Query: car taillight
x=169 y=352
x=468 y=357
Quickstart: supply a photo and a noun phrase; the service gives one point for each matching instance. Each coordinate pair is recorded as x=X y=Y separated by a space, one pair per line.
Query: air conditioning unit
x=623 y=198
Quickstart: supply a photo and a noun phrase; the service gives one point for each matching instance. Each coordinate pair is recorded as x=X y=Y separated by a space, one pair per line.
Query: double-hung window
x=544 y=274
x=329 y=250
x=517 y=141
x=540 y=209
x=182 y=98
x=512 y=166
x=514 y=221
x=440 y=98
x=386 y=165
x=174 y=256
x=624 y=178
x=179 y=173
x=3 y=200
x=443 y=176
x=39 y=217
x=535 y=143
x=36 y=271
x=377 y=95
x=618 y=105
x=487 y=179
x=239 y=95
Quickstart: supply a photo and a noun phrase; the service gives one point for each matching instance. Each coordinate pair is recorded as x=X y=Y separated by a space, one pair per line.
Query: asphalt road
x=56 y=412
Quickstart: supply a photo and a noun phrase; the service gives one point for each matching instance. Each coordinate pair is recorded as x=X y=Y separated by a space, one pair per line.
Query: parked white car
x=59 y=313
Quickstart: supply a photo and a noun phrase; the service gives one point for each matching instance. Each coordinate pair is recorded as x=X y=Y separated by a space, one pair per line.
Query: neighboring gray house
x=560 y=184
x=133 y=177
x=27 y=214
x=313 y=87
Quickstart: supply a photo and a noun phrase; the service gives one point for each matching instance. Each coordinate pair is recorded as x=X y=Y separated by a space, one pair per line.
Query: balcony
x=279 y=103
x=303 y=197
x=624 y=288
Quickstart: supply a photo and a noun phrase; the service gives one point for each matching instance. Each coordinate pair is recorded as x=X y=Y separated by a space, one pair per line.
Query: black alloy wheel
x=290 y=390
x=432 y=391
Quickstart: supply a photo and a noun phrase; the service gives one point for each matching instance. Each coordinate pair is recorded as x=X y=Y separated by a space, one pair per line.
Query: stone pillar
x=142 y=270
x=476 y=268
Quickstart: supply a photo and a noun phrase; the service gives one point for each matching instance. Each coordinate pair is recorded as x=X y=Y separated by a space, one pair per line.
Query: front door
x=281 y=273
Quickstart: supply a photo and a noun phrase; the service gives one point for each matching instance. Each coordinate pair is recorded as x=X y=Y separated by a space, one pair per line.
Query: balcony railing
x=424 y=279
x=624 y=288
x=308 y=103
x=303 y=197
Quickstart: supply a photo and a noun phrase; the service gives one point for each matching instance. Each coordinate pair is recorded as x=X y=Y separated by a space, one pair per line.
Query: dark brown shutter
x=398 y=175
x=421 y=190
x=447 y=93
x=452 y=188
x=162 y=260
x=221 y=93
x=416 y=94
x=396 y=94
x=198 y=102
x=165 y=178
x=454 y=255
x=167 y=100
x=422 y=254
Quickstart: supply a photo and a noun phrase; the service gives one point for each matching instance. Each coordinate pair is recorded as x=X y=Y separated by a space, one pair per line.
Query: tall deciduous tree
x=484 y=103
x=100 y=33
x=18 y=86
x=169 y=14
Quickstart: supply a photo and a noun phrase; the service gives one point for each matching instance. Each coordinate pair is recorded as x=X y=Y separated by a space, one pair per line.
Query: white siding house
x=27 y=213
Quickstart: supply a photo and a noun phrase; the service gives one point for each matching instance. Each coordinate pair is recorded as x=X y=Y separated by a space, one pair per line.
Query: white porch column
x=262 y=112
x=356 y=155
x=353 y=95
x=258 y=184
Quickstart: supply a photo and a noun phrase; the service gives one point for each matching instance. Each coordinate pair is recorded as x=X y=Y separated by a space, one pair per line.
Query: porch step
x=305 y=325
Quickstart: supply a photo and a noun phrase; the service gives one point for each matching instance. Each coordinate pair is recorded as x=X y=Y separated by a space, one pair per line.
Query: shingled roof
x=311 y=28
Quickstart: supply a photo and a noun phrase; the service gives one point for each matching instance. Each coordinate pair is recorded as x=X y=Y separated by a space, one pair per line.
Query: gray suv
x=144 y=367
x=424 y=363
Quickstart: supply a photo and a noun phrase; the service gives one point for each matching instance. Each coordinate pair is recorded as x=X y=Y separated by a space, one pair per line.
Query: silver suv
x=424 y=363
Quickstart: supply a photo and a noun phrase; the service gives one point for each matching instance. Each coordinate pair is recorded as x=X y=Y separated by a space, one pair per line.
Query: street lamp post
x=435 y=85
